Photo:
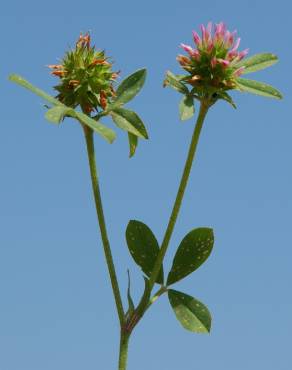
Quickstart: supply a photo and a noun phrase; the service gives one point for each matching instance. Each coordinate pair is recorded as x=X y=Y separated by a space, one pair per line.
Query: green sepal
x=175 y=82
x=133 y=143
x=129 y=88
x=144 y=247
x=192 y=252
x=186 y=107
x=145 y=297
x=257 y=62
x=191 y=313
x=55 y=114
x=258 y=88
x=129 y=121
x=130 y=300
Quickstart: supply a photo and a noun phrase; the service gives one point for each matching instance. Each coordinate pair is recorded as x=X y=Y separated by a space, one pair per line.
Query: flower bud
x=86 y=77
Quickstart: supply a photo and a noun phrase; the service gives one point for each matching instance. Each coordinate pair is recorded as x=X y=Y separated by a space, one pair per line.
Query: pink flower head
x=214 y=57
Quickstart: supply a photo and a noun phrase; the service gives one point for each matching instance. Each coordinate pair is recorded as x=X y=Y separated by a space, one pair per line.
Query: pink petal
x=203 y=29
x=243 y=53
x=197 y=39
x=209 y=28
x=224 y=62
x=236 y=45
x=187 y=48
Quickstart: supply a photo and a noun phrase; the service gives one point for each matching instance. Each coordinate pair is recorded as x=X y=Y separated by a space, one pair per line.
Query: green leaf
x=258 y=88
x=130 y=87
x=55 y=115
x=186 y=107
x=192 y=252
x=191 y=313
x=257 y=62
x=129 y=121
x=143 y=247
x=225 y=96
x=174 y=82
x=22 y=82
x=133 y=143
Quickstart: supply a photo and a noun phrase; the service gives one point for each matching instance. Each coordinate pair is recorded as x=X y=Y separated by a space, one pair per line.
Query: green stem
x=100 y=215
x=159 y=293
x=181 y=190
x=124 y=343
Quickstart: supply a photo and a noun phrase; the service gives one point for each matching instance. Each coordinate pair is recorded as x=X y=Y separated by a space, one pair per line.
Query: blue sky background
x=56 y=309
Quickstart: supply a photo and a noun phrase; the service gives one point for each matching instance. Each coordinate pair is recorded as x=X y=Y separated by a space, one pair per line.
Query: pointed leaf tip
x=129 y=121
x=130 y=87
x=257 y=62
x=258 y=88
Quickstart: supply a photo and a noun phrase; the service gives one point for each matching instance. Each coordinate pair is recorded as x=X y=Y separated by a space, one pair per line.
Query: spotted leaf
x=143 y=247
x=191 y=313
x=193 y=250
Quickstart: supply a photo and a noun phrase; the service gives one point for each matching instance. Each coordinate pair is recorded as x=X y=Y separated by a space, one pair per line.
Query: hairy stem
x=100 y=215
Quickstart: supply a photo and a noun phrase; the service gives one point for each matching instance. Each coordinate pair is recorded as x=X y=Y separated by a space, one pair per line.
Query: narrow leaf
x=133 y=143
x=257 y=62
x=192 y=252
x=143 y=247
x=174 y=82
x=191 y=313
x=54 y=115
x=258 y=88
x=130 y=87
x=22 y=82
x=129 y=121
x=186 y=107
